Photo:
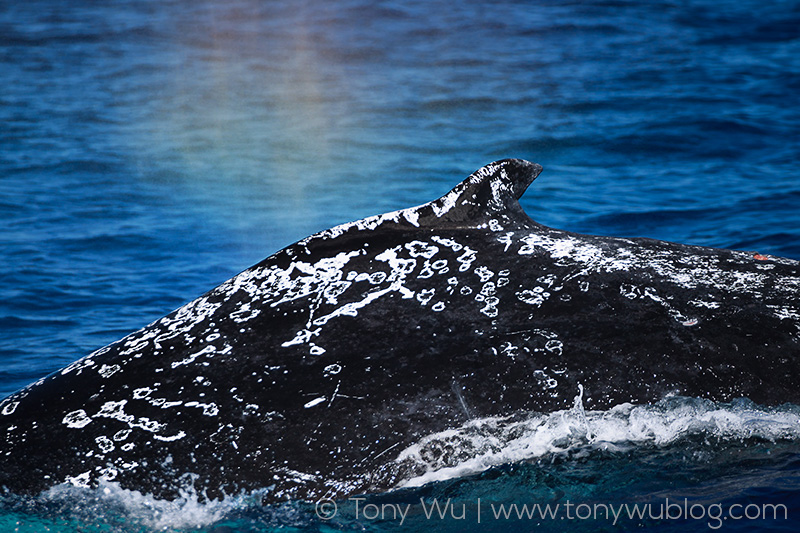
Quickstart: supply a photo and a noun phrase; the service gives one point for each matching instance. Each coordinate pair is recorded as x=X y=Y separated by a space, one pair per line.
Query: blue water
x=149 y=150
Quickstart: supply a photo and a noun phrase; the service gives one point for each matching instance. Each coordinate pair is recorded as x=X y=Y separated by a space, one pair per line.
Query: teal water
x=149 y=150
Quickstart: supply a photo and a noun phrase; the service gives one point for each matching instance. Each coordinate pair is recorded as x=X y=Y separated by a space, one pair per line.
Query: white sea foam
x=112 y=503
x=475 y=446
x=487 y=442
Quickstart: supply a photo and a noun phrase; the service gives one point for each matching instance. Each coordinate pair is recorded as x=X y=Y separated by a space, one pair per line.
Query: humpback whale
x=310 y=373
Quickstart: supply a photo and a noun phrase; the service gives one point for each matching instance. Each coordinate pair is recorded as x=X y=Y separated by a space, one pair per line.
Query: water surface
x=150 y=150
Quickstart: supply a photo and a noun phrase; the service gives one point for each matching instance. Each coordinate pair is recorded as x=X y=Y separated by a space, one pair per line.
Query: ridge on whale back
x=316 y=371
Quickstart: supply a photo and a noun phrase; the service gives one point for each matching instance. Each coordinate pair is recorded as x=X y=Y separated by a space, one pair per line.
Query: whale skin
x=307 y=375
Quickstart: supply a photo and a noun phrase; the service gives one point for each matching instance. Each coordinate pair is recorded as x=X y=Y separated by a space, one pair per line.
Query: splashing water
x=703 y=433
x=487 y=442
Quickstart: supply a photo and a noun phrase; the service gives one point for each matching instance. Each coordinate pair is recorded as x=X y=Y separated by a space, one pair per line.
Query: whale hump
x=491 y=192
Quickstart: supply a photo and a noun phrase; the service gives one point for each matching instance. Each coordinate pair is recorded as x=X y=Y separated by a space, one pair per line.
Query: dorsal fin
x=490 y=192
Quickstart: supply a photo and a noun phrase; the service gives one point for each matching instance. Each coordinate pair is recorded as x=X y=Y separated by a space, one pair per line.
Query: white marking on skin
x=100 y=351
x=400 y=267
x=140 y=394
x=484 y=273
x=421 y=249
x=332 y=370
x=784 y=312
x=312 y=278
x=138 y=341
x=314 y=402
x=487 y=295
x=400 y=270
x=81 y=480
x=209 y=409
x=489 y=310
x=370 y=223
x=565 y=247
x=448 y=202
x=535 y=296
x=10 y=407
x=466 y=259
x=631 y=292
x=674 y=313
x=121 y=434
x=109 y=474
x=549 y=382
x=554 y=346
x=210 y=349
x=426 y=272
x=351 y=309
x=115 y=410
x=316 y=350
x=488 y=290
x=299 y=476
x=547 y=280
x=508 y=349
x=377 y=278
x=506 y=239
x=171 y=438
x=450 y=243
x=108 y=370
x=244 y=313
x=335 y=392
x=424 y=296
x=412 y=216
x=302 y=337
x=105 y=444
x=78 y=365
x=700 y=303
x=76 y=419
x=201 y=309
x=334 y=290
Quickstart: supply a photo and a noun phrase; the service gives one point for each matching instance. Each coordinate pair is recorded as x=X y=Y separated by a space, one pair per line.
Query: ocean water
x=149 y=150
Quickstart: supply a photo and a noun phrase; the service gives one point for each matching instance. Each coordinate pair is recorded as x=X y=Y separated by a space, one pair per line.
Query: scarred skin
x=310 y=373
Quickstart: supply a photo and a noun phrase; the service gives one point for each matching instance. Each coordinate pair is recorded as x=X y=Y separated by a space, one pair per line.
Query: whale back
x=308 y=374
